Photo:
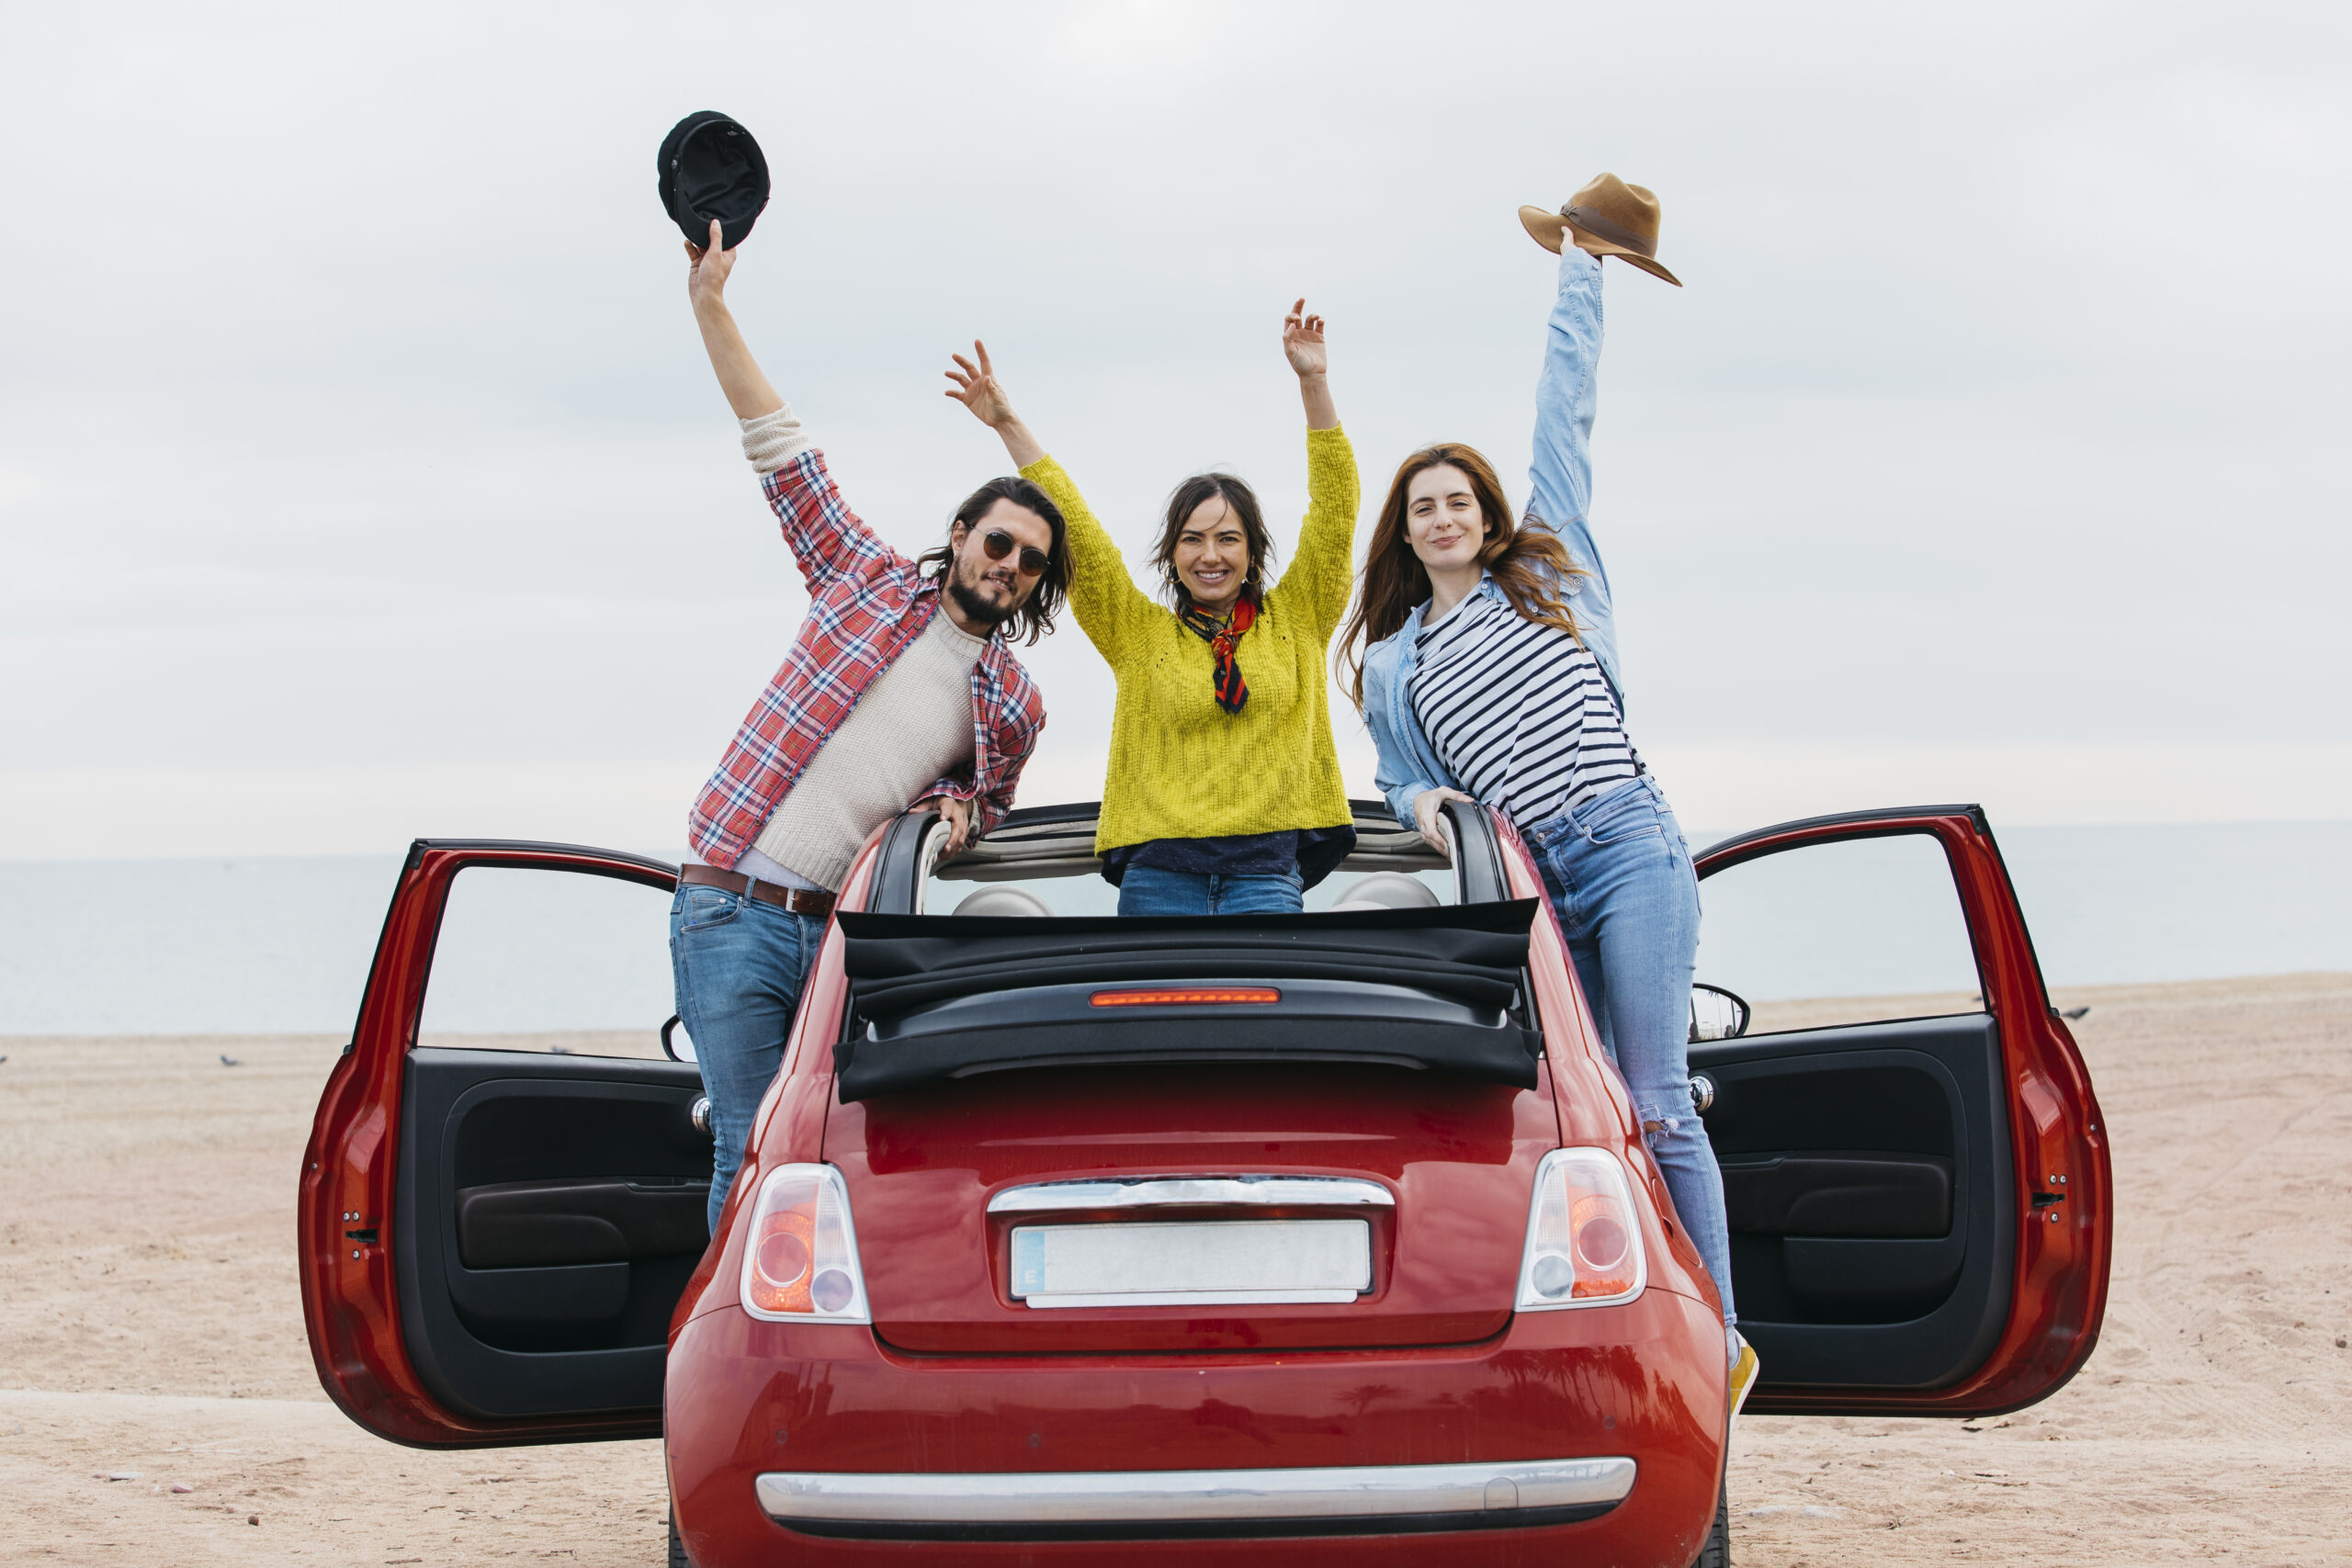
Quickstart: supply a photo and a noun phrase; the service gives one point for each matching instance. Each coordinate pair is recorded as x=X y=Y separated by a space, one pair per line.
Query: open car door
x=1915 y=1166
x=503 y=1193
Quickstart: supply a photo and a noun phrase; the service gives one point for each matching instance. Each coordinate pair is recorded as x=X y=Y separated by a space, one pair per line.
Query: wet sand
x=149 y=1329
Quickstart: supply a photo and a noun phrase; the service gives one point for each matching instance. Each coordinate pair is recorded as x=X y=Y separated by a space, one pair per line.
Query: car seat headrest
x=1390 y=890
x=1003 y=901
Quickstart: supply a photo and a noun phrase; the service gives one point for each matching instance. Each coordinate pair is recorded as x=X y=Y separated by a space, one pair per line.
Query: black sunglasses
x=999 y=545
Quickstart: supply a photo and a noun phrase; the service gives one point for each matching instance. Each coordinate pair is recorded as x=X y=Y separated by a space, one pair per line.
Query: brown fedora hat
x=1608 y=217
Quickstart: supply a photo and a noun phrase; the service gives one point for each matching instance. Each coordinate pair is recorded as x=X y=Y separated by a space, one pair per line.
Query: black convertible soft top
x=946 y=996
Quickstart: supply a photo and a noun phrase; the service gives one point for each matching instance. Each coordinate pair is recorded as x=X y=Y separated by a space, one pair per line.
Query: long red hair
x=1529 y=565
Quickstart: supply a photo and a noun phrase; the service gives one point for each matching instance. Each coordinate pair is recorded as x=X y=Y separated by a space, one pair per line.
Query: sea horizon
x=256 y=944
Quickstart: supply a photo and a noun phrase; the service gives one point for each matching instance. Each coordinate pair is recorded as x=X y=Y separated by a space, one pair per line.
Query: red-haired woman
x=1491 y=675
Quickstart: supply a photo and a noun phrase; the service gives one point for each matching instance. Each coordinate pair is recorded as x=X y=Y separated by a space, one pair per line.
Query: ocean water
x=283 y=945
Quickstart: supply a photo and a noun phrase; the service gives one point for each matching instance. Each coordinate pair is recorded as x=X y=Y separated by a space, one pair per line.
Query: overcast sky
x=361 y=475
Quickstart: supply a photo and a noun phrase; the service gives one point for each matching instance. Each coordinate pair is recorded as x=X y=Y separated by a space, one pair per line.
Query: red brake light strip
x=1192 y=997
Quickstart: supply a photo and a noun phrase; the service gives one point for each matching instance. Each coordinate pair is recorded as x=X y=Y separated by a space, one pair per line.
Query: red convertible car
x=1323 y=1237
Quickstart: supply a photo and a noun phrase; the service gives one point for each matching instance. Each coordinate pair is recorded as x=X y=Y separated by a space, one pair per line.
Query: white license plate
x=1241 y=1262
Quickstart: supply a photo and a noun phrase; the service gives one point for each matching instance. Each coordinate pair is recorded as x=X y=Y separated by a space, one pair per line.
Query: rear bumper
x=817 y=1444
x=1195 y=1504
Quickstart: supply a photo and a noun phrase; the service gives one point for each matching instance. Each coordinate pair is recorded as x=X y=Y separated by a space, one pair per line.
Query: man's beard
x=977 y=609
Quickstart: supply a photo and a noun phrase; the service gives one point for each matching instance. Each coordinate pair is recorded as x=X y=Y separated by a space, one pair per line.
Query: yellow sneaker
x=1743 y=1375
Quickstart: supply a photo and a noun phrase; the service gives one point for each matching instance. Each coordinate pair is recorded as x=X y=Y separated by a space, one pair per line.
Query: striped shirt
x=1518 y=711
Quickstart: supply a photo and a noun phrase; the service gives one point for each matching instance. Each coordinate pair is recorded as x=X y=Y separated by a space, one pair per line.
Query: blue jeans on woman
x=1149 y=890
x=738 y=965
x=1620 y=880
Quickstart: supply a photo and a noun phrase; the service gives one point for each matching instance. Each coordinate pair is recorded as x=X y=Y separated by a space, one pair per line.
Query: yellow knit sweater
x=1181 y=766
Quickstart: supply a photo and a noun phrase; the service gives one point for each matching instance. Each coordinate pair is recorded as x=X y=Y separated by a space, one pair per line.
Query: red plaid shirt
x=869 y=604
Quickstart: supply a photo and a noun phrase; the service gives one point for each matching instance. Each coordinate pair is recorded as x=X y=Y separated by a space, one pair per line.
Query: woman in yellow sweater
x=1224 y=793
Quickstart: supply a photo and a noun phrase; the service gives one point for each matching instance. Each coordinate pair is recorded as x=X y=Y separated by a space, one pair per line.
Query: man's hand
x=1425 y=817
x=706 y=270
x=957 y=815
x=978 y=389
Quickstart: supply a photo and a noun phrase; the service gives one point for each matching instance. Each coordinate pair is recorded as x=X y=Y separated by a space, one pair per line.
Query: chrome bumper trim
x=1355 y=1499
x=1049 y=1303
x=1055 y=1197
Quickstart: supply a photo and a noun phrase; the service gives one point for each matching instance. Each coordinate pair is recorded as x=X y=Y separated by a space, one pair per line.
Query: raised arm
x=1108 y=604
x=1319 y=578
x=740 y=375
x=1560 y=477
x=1310 y=357
x=827 y=540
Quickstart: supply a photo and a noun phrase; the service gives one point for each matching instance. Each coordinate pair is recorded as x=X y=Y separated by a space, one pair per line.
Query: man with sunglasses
x=900 y=688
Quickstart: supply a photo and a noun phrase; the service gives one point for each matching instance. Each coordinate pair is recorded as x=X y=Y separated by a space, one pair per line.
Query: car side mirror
x=677 y=1043
x=1716 y=1014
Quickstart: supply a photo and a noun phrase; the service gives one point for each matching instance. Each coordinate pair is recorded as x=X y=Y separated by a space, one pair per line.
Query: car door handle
x=699 y=1114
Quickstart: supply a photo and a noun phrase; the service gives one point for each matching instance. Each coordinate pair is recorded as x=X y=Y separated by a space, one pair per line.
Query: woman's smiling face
x=1212 y=556
x=1442 y=522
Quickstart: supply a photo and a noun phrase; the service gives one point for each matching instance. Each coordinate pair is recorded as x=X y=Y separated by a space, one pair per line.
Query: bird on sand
x=227 y=1060
x=2072 y=1013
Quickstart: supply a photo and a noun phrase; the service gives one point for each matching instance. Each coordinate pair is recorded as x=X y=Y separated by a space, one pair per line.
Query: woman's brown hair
x=1528 y=564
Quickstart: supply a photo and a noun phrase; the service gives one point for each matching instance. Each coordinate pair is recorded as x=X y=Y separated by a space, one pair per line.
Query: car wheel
x=678 y=1558
x=1716 y=1553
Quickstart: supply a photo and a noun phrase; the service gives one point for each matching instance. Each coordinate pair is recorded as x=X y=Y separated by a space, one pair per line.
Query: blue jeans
x=1148 y=890
x=738 y=965
x=1621 y=881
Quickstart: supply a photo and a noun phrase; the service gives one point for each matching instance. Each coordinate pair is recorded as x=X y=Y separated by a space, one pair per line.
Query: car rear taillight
x=801 y=1259
x=1583 y=1246
x=1186 y=995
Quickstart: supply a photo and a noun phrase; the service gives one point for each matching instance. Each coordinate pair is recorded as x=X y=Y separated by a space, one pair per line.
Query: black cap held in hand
x=710 y=168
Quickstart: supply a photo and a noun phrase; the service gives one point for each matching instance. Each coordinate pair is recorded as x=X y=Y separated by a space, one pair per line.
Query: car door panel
x=1919 y=1209
x=539 y=1224
x=1802 y=1195
x=523 y=1309
x=1815 y=1260
x=533 y=1140
x=493 y=1241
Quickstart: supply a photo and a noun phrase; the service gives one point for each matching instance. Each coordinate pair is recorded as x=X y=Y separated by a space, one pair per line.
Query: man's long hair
x=1529 y=565
x=1034 y=618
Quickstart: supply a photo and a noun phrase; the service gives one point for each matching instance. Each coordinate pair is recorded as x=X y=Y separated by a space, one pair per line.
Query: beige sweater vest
x=910 y=728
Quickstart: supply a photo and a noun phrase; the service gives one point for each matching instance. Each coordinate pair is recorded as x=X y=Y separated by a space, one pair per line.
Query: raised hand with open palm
x=1303 y=344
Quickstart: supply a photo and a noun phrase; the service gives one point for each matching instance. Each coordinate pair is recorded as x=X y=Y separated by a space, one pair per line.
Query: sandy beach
x=157 y=1402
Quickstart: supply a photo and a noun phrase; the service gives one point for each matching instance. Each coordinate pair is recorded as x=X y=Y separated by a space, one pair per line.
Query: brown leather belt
x=799 y=900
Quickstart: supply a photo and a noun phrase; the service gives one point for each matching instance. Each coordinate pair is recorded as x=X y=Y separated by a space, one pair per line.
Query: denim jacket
x=1560 y=494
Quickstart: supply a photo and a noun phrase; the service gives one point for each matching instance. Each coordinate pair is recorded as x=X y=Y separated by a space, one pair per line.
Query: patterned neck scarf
x=1223 y=633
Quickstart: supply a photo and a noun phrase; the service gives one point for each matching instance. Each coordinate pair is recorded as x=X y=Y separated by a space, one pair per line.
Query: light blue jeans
x=738 y=965
x=1148 y=890
x=1621 y=883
